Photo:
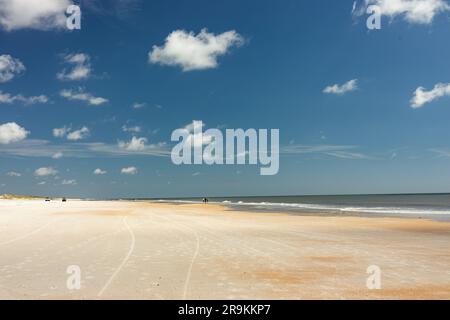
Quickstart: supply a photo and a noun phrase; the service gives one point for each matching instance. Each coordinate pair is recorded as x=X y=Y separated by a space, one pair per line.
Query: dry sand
x=129 y=250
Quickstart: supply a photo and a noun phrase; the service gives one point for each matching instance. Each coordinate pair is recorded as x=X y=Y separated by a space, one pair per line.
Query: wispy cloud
x=45 y=172
x=133 y=129
x=81 y=95
x=14 y=174
x=10 y=99
x=80 y=67
x=422 y=96
x=336 y=151
x=47 y=149
x=349 y=86
x=194 y=52
x=69 y=182
x=138 y=105
x=441 y=152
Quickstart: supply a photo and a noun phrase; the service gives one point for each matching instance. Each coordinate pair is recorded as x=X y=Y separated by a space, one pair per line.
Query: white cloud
x=69 y=182
x=67 y=132
x=81 y=67
x=77 y=150
x=14 y=174
x=194 y=52
x=9 y=68
x=33 y=14
x=136 y=144
x=57 y=155
x=138 y=105
x=197 y=139
x=349 y=86
x=60 y=132
x=422 y=97
x=8 y=98
x=12 y=132
x=337 y=151
x=45 y=172
x=80 y=134
x=100 y=172
x=413 y=11
x=129 y=170
x=135 y=129
x=83 y=96
x=42 y=183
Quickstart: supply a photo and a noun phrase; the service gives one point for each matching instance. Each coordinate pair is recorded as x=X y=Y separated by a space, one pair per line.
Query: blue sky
x=277 y=59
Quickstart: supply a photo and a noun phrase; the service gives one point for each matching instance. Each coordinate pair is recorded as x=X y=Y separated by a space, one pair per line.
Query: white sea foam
x=330 y=208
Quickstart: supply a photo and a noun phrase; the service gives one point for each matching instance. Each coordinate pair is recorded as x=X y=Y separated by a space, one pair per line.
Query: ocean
x=413 y=205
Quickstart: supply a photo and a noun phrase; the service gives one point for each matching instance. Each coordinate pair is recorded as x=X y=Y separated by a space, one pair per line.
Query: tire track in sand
x=124 y=261
x=183 y=227
x=27 y=235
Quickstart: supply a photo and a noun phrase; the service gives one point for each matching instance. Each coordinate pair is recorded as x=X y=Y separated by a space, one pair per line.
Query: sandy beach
x=137 y=250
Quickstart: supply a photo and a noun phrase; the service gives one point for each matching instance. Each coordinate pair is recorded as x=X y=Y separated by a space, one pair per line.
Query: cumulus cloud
x=136 y=144
x=413 y=11
x=129 y=170
x=422 y=97
x=45 y=172
x=14 y=174
x=11 y=132
x=196 y=137
x=349 y=86
x=99 y=172
x=194 y=52
x=80 y=67
x=80 y=134
x=33 y=14
x=10 y=99
x=9 y=68
x=60 y=132
x=66 y=132
x=81 y=95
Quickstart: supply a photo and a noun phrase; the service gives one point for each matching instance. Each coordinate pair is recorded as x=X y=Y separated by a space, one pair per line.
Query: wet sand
x=135 y=250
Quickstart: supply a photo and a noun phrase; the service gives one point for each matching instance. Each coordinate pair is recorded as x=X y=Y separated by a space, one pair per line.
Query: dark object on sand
x=47 y=200
x=205 y=200
x=64 y=200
